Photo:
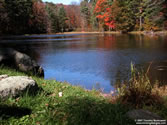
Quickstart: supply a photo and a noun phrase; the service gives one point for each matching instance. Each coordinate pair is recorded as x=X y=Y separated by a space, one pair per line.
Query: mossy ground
x=77 y=106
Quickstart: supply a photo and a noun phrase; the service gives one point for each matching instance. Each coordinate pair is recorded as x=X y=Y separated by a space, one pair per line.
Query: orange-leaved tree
x=103 y=12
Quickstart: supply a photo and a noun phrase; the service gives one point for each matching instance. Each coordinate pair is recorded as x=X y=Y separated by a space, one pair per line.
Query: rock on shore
x=16 y=85
x=143 y=114
x=21 y=61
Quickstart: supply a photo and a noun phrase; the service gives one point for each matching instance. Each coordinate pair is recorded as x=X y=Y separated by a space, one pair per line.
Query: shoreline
x=110 y=32
x=93 y=32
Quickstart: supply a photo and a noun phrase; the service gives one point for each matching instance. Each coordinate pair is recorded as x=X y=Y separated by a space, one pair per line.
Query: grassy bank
x=77 y=106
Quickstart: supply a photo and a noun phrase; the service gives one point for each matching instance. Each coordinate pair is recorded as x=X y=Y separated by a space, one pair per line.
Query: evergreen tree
x=123 y=13
x=62 y=18
x=3 y=18
x=19 y=12
x=93 y=19
x=53 y=17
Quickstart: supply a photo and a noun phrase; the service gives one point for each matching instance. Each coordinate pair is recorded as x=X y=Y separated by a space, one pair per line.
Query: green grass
x=77 y=106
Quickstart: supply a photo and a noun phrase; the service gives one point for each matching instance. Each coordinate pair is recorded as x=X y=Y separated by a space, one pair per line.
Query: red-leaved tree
x=74 y=16
x=39 y=19
x=103 y=11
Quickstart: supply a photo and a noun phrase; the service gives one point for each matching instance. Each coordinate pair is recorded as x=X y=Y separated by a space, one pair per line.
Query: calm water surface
x=90 y=60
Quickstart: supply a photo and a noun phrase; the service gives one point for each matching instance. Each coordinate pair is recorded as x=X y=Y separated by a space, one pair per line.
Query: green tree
x=19 y=12
x=3 y=18
x=62 y=18
x=124 y=16
x=85 y=12
x=93 y=19
x=53 y=17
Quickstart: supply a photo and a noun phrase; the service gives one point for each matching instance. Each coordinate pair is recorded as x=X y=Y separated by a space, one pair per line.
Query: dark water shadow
x=7 y=112
x=157 y=72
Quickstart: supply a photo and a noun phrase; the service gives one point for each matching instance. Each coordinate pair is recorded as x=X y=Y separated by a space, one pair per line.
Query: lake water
x=90 y=60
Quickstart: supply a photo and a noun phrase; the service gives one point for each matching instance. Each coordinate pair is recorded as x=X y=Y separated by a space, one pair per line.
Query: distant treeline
x=34 y=16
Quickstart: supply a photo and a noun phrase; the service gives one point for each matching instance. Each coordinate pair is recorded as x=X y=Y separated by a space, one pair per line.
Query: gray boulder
x=21 y=61
x=16 y=85
x=142 y=114
x=26 y=64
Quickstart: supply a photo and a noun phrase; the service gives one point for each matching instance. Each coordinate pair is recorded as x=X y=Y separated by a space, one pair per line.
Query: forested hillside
x=35 y=16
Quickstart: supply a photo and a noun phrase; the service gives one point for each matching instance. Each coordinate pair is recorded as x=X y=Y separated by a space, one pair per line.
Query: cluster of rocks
x=21 y=61
x=16 y=85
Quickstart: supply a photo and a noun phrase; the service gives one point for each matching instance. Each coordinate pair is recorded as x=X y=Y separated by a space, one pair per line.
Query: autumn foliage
x=38 y=22
x=104 y=13
x=35 y=16
x=74 y=16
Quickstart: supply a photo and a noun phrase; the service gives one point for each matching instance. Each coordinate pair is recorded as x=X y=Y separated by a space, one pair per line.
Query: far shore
x=106 y=32
x=97 y=32
x=86 y=32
